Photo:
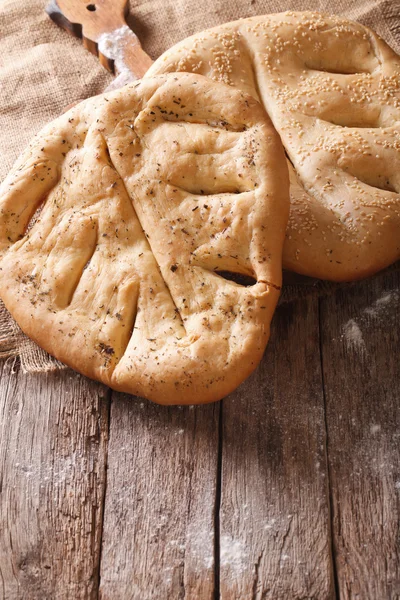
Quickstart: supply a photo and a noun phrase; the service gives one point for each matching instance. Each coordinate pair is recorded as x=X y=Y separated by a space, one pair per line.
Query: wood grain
x=165 y=535
x=158 y=539
x=361 y=349
x=53 y=436
x=274 y=517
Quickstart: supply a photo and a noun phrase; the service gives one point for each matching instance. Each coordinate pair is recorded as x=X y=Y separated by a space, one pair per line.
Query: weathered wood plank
x=158 y=539
x=361 y=349
x=274 y=518
x=53 y=437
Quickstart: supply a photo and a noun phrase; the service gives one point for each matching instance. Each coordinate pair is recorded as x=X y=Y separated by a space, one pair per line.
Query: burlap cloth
x=43 y=69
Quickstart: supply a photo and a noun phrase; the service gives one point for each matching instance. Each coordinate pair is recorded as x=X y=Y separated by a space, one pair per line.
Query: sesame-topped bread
x=332 y=90
x=150 y=198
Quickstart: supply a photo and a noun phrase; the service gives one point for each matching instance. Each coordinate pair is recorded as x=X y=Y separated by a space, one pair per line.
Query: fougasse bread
x=121 y=226
x=332 y=90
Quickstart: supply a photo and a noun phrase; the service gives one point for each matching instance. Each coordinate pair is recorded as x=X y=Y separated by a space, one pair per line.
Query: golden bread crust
x=145 y=193
x=332 y=90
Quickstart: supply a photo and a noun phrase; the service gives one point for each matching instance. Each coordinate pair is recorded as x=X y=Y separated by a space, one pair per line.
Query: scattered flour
x=202 y=548
x=374 y=429
x=234 y=554
x=353 y=335
x=110 y=45
x=199 y=546
x=380 y=306
x=270 y=524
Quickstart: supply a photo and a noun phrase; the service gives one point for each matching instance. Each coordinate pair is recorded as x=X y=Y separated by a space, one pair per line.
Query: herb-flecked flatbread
x=121 y=226
x=332 y=90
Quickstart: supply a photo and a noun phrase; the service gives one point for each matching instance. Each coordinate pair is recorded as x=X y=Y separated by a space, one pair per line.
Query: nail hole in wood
x=91 y=7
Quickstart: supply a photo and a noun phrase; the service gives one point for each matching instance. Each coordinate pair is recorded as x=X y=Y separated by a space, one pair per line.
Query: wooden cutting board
x=104 y=31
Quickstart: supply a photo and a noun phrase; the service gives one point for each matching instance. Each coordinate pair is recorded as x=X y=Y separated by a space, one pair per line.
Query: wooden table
x=289 y=489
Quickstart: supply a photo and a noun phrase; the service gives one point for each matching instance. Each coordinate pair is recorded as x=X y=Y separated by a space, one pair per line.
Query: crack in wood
x=217 y=509
x=326 y=448
x=108 y=399
x=284 y=538
x=256 y=576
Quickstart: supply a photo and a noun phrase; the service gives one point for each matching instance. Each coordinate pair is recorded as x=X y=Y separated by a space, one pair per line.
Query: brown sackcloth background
x=43 y=69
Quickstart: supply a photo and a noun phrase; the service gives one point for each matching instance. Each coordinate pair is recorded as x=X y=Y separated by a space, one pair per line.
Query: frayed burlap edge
x=33 y=359
x=14 y=343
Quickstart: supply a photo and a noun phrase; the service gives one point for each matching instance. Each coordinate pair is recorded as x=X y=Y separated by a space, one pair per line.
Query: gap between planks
x=329 y=481
x=217 y=546
x=108 y=398
x=123 y=418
